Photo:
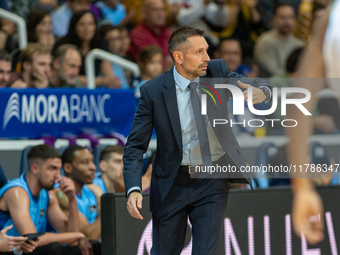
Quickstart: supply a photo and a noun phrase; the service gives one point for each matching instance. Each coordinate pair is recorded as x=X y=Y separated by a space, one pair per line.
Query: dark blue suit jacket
x=158 y=108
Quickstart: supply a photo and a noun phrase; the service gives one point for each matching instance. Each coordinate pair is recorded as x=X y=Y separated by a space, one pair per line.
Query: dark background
x=121 y=234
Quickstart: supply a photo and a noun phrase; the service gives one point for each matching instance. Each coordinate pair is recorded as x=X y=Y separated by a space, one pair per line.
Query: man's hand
x=258 y=95
x=7 y=243
x=66 y=185
x=19 y=84
x=134 y=201
x=40 y=80
x=306 y=204
x=85 y=246
x=28 y=247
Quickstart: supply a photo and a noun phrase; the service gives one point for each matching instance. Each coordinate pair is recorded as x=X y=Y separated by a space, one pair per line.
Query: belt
x=187 y=169
x=191 y=169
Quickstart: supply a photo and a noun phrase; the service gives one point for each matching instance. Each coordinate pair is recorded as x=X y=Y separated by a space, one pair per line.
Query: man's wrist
x=72 y=198
x=136 y=188
x=301 y=184
x=266 y=92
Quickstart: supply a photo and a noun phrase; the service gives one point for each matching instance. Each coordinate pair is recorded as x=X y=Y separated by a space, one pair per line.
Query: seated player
x=78 y=165
x=110 y=179
x=28 y=204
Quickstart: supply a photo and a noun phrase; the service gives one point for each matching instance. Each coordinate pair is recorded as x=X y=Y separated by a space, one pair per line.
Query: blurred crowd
x=256 y=38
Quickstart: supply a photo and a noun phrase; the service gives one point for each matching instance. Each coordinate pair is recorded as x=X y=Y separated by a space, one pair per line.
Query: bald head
x=154 y=12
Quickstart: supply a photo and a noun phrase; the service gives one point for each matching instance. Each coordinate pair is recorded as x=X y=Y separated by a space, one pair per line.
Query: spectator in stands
x=112 y=11
x=111 y=165
x=47 y=5
x=61 y=16
x=273 y=47
x=267 y=9
x=29 y=204
x=82 y=33
x=230 y=50
x=242 y=24
x=202 y=14
x=136 y=6
x=5 y=68
x=308 y=10
x=151 y=30
x=39 y=28
x=150 y=60
x=35 y=67
x=78 y=164
x=8 y=38
x=65 y=67
x=113 y=37
x=126 y=42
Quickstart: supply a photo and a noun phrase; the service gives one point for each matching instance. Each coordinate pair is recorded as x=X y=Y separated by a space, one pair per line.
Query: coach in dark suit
x=174 y=196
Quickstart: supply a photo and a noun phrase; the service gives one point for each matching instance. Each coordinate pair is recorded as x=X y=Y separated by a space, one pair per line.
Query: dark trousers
x=59 y=249
x=202 y=200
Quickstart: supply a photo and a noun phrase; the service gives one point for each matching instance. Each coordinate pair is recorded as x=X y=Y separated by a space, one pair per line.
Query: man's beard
x=198 y=72
x=46 y=187
x=64 y=80
x=285 y=31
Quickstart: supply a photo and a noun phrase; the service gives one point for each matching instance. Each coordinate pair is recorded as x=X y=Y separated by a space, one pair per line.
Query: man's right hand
x=85 y=246
x=306 y=204
x=19 y=84
x=40 y=80
x=134 y=201
x=8 y=242
x=66 y=185
x=29 y=246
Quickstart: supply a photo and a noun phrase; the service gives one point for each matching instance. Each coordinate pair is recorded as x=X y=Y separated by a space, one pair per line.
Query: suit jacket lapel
x=170 y=100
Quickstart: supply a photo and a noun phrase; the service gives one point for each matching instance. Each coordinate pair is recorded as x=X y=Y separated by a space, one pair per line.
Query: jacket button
x=173 y=177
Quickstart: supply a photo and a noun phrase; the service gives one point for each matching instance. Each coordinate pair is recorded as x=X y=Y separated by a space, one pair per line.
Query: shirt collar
x=181 y=81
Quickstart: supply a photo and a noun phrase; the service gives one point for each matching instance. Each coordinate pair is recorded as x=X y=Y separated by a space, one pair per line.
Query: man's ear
x=56 y=64
x=67 y=168
x=34 y=168
x=103 y=166
x=178 y=57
